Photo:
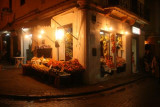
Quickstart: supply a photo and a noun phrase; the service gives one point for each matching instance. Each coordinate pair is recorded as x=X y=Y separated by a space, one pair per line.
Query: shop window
x=120 y=61
x=111 y=52
x=68 y=43
x=119 y=48
x=107 y=53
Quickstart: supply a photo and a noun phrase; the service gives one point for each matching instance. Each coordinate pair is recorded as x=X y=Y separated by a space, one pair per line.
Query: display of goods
x=72 y=66
x=55 y=64
x=113 y=43
x=113 y=47
x=40 y=67
x=119 y=42
x=45 y=60
x=36 y=60
x=112 y=37
x=44 y=46
x=120 y=61
x=110 y=63
x=68 y=66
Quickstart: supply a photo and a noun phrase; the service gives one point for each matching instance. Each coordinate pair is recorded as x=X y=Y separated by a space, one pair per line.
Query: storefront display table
x=18 y=61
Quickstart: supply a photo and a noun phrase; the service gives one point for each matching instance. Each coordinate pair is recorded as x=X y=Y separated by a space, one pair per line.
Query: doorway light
x=59 y=34
x=39 y=36
x=42 y=31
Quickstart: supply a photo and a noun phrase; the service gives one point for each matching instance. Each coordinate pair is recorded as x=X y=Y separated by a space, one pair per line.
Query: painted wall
x=93 y=40
x=74 y=17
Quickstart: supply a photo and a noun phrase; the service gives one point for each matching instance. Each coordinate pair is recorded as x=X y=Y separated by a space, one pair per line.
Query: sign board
x=136 y=30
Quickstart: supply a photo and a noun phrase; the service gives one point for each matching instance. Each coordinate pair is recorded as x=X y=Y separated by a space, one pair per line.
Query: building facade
x=107 y=37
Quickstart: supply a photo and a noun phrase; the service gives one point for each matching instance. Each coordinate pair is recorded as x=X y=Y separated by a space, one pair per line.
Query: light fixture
x=25 y=29
x=7 y=34
x=30 y=35
x=39 y=36
x=110 y=29
x=42 y=31
x=126 y=33
x=101 y=32
x=106 y=28
x=26 y=36
x=59 y=34
x=122 y=32
x=136 y=30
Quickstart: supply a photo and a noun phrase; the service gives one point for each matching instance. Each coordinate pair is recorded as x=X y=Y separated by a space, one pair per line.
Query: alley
x=143 y=93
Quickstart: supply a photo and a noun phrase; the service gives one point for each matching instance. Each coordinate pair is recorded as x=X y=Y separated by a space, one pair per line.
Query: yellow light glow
x=59 y=34
x=42 y=31
x=39 y=36
x=110 y=29
x=126 y=33
x=122 y=32
x=106 y=28
x=25 y=29
x=26 y=36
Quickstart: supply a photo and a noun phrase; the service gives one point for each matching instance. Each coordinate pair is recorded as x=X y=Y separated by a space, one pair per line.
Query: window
x=119 y=47
x=66 y=43
x=106 y=58
x=111 y=52
x=22 y=2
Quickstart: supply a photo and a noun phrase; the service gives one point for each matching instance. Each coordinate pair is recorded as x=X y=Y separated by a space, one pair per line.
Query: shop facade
x=101 y=39
x=103 y=45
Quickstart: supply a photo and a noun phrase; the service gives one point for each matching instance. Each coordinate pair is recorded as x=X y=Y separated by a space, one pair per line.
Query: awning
x=33 y=23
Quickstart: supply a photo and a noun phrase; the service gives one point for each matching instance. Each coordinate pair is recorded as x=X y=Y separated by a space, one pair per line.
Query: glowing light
x=122 y=32
x=126 y=33
x=110 y=29
x=25 y=29
x=7 y=34
x=39 y=36
x=106 y=28
x=101 y=32
x=26 y=36
x=136 y=30
x=42 y=31
x=59 y=34
x=30 y=35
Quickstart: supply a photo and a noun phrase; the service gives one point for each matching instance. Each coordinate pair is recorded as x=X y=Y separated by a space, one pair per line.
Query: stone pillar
x=83 y=7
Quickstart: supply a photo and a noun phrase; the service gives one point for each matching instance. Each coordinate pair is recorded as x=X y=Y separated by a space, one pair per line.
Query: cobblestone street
x=143 y=93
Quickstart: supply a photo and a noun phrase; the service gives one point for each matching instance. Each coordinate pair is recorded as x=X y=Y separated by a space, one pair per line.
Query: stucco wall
x=94 y=42
x=74 y=17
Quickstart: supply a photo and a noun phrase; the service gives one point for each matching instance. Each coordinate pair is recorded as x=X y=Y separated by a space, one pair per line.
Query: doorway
x=134 y=55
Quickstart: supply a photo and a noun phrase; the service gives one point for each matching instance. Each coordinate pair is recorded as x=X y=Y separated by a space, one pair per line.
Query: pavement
x=13 y=84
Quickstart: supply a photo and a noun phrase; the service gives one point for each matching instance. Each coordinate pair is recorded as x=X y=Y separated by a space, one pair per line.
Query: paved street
x=142 y=93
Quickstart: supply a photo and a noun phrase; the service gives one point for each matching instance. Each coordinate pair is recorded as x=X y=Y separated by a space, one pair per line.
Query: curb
x=35 y=97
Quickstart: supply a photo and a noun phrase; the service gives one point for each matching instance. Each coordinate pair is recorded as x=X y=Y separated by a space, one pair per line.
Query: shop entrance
x=134 y=55
x=66 y=44
x=26 y=47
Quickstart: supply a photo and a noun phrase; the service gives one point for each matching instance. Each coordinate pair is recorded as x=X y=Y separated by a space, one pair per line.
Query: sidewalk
x=17 y=86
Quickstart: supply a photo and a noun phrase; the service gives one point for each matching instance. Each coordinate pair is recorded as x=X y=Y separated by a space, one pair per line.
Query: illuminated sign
x=136 y=30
